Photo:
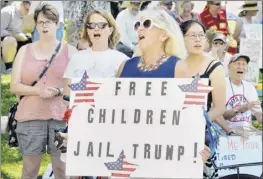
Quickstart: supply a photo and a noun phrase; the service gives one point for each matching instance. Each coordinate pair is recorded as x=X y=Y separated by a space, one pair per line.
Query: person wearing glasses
x=214 y=18
x=12 y=37
x=59 y=6
x=41 y=109
x=100 y=60
x=159 y=49
x=125 y=22
x=208 y=67
x=219 y=50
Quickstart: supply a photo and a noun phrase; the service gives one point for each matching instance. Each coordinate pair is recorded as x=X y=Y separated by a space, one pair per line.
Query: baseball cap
x=219 y=36
x=235 y=57
x=167 y=1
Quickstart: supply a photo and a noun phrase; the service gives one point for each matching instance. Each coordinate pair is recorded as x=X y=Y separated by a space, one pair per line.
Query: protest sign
x=235 y=150
x=137 y=128
x=253 y=49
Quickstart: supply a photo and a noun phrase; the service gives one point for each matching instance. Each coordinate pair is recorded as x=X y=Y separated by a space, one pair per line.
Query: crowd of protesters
x=122 y=39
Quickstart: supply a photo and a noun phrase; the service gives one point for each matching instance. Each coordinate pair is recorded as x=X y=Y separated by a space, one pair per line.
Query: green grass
x=12 y=161
x=11 y=166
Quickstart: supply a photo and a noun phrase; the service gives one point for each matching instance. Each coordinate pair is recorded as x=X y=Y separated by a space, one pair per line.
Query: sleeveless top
x=165 y=70
x=206 y=74
x=35 y=107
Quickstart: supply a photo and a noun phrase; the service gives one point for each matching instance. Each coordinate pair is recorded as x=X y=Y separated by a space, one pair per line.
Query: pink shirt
x=35 y=107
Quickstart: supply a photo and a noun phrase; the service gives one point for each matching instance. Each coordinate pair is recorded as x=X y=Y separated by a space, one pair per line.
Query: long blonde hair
x=174 y=45
x=114 y=38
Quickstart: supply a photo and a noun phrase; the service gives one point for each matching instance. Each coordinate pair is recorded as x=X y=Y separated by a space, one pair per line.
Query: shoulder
x=71 y=50
x=8 y=10
x=248 y=85
x=115 y=54
x=121 y=14
x=79 y=55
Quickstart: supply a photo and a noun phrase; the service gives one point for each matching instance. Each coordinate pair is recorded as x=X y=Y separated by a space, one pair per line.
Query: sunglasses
x=100 y=25
x=146 y=24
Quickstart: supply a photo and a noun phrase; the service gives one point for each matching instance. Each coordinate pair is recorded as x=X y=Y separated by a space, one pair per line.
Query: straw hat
x=250 y=6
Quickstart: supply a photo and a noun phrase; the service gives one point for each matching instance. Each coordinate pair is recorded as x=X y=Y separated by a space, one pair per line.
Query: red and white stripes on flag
x=87 y=95
x=198 y=97
x=126 y=171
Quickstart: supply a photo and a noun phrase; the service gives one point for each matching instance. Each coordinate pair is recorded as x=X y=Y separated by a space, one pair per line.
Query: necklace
x=149 y=67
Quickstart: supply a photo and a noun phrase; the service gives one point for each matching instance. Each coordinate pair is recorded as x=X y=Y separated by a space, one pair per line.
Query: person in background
x=12 y=37
x=214 y=18
x=41 y=110
x=187 y=14
x=125 y=22
x=196 y=62
x=219 y=50
x=249 y=10
x=241 y=98
x=76 y=11
x=59 y=6
x=168 y=5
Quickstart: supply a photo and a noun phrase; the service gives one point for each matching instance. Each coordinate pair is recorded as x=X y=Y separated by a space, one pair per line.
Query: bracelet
x=59 y=91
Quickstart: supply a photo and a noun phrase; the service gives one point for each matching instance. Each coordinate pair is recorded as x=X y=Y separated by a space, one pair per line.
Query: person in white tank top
x=247 y=16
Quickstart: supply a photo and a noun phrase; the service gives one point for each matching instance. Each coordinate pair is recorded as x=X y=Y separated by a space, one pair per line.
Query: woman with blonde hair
x=160 y=47
x=100 y=59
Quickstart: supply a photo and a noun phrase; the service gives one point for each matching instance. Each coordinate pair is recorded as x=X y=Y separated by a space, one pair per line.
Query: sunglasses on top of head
x=100 y=25
x=146 y=24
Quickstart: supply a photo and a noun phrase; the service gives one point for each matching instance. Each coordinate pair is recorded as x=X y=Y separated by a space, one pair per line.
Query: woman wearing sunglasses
x=100 y=59
x=208 y=67
x=159 y=49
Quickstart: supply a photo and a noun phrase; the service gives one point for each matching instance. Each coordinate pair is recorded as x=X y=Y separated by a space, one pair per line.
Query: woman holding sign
x=159 y=49
x=101 y=59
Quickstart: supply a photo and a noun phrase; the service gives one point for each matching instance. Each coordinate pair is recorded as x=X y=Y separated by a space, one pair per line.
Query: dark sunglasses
x=147 y=24
x=100 y=25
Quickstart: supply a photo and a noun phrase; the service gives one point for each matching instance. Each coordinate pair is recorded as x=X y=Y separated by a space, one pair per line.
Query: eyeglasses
x=100 y=25
x=194 y=36
x=42 y=23
x=146 y=24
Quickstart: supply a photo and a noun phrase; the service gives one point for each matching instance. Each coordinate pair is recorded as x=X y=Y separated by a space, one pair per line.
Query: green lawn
x=11 y=166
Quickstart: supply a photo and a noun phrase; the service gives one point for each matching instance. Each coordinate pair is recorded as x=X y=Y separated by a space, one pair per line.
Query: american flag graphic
x=84 y=91
x=121 y=168
x=195 y=93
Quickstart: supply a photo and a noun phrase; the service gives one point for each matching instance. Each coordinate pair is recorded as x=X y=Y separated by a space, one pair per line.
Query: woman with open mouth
x=41 y=108
x=198 y=61
x=100 y=59
x=160 y=48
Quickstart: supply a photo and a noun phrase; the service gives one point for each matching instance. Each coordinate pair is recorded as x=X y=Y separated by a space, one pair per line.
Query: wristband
x=59 y=92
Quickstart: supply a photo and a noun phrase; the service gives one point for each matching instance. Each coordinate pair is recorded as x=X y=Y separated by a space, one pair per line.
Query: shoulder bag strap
x=46 y=67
